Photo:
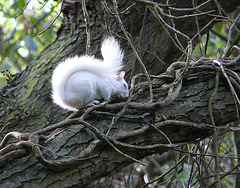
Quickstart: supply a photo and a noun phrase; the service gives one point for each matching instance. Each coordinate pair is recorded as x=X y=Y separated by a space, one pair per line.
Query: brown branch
x=59 y=163
x=14 y=134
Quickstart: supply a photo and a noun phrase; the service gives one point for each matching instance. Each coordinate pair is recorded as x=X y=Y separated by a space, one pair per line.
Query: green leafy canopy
x=20 y=25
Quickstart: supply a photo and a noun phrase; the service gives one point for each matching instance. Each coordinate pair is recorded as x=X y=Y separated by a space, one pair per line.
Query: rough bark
x=27 y=105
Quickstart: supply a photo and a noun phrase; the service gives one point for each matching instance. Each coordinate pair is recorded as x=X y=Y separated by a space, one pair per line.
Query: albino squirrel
x=82 y=81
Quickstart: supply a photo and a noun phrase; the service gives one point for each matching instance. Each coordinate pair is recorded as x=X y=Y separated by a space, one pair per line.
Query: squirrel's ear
x=121 y=75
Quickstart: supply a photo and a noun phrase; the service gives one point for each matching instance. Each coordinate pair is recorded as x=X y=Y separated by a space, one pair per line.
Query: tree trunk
x=84 y=153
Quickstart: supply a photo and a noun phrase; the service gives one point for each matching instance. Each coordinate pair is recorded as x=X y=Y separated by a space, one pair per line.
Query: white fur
x=83 y=80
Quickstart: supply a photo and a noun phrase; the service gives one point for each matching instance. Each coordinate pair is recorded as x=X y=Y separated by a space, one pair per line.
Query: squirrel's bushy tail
x=112 y=54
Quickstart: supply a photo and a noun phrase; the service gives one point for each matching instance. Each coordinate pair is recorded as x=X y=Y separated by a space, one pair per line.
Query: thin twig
x=142 y=34
x=70 y=159
x=179 y=46
x=87 y=25
x=152 y=3
x=164 y=174
x=184 y=16
x=199 y=34
x=170 y=27
x=231 y=42
x=90 y=109
x=13 y=134
x=215 y=132
x=25 y=6
x=224 y=175
x=133 y=48
x=43 y=5
x=203 y=28
x=105 y=138
x=235 y=96
x=53 y=20
x=114 y=119
x=175 y=34
x=160 y=132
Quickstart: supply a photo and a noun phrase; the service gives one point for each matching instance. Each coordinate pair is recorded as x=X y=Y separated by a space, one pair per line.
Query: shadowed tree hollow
x=174 y=99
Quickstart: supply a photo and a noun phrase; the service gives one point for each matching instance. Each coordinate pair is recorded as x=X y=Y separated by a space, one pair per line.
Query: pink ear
x=121 y=75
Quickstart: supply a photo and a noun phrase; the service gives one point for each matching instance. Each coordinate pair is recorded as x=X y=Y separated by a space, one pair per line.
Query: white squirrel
x=82 y=81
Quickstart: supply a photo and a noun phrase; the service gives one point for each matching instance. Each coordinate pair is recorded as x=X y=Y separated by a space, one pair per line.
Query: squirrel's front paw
x=94 y=102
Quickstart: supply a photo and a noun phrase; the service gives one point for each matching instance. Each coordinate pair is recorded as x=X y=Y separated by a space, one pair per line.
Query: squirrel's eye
x=125 y=85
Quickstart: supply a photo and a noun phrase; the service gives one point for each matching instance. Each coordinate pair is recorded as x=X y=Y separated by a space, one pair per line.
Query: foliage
x=215 y=42
x=20 y=25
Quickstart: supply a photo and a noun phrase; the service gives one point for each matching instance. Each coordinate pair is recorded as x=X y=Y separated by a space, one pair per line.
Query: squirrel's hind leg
x=92 y=103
